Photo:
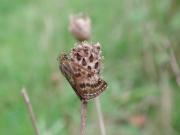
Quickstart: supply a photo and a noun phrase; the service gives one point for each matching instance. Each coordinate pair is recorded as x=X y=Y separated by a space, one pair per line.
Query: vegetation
x=140 y=43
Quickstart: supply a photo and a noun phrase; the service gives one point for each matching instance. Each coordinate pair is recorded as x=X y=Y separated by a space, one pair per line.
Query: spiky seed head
x=88 y=56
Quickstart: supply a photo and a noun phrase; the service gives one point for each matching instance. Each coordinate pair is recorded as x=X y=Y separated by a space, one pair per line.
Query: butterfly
x=86 y=84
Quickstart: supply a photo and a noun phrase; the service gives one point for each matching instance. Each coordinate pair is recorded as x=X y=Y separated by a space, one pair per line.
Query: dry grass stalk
x=173 y=61
x=100 y=116
x=166 y=103
x=83 y=117
x=30 y=110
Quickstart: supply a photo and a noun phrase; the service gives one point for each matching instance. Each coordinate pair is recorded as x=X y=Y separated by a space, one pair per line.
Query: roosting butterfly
x=81 y=68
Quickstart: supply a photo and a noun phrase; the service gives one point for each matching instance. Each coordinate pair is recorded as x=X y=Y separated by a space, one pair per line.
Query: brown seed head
x=80 y=27
x=88 y=56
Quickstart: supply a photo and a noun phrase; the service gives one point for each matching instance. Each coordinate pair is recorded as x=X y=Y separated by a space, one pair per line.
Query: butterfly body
x=85 y=83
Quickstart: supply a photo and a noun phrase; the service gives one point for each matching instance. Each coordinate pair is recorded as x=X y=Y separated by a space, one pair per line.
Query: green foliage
x=133 y=35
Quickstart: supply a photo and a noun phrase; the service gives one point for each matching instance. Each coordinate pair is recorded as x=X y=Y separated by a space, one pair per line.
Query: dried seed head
x=80 y=27
x=88 y=56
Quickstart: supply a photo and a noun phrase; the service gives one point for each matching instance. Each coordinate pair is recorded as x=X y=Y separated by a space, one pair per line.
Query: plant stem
x=173 y=61
x=166 y=102
x=83 y=117
x=100 y=116
x=30 y=109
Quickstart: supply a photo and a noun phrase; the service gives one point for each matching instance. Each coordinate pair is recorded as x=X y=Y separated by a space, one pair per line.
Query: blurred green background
x=140 y=43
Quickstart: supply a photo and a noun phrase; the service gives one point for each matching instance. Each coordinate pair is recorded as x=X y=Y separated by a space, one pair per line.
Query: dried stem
x=100 y=116
x=175 y=67
x=173 y=62
x=166 y=102
x=30 y=109
x=83 y=117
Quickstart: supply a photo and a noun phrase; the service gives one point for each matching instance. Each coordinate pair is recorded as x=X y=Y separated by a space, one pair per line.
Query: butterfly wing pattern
x=86 y=83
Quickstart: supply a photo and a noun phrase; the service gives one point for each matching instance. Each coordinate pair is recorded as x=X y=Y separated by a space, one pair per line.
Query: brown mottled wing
x=85 y=83
x=88 y=85
x=65 y=67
